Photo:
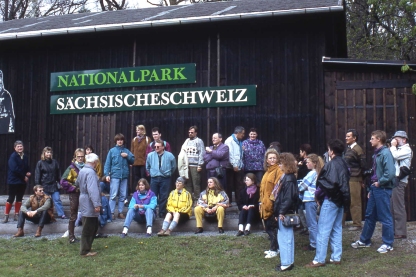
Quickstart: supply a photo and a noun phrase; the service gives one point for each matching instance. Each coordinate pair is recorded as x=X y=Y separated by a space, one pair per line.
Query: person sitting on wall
x=212 y=202
x=142 y=208
x=248 y=205
x=38 y=208
x=179 y=208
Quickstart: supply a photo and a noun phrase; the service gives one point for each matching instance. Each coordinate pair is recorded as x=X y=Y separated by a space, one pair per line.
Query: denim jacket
x=116 y=166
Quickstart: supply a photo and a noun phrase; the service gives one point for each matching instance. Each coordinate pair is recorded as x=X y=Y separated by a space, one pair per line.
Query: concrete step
x=115 y=227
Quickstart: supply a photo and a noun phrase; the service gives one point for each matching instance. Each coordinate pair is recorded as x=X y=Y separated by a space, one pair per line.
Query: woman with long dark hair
x=47 y=174
x=286 y=195
x=212 y=202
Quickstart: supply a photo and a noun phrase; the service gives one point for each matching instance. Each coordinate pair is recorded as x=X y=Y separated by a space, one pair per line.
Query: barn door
x=367 y=105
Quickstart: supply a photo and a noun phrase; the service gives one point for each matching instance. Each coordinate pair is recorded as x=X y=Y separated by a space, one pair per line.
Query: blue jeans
x=286 y=240
x=378 y=208
x=329 y=229
x=310 y=208
x=118 y=187
x=105 y=187
x=161 y=187
x=57 y=202
x=133 y=214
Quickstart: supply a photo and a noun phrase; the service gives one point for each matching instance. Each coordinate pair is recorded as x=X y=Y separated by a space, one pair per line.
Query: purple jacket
x=217 y=157
x=253 y=154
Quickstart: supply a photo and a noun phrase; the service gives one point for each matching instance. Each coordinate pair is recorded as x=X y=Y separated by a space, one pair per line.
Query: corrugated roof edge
x=158 y=23
x=329 y=60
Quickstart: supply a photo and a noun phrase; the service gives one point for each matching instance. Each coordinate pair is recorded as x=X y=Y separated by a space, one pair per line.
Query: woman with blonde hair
x=47 y=174
x=286 y=195
x=270 y=178
x=308 y=186
x=212 y=202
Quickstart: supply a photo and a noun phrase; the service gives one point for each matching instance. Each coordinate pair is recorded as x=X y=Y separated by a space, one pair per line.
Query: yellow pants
x=199 y=213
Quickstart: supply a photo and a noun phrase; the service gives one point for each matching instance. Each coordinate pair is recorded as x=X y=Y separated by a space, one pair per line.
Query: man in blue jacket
x=116 y=170
x=378 y=206
x=160 y=164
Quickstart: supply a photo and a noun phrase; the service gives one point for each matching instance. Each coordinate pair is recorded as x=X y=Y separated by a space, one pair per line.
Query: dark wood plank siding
x=373 y=103
x=282 y=56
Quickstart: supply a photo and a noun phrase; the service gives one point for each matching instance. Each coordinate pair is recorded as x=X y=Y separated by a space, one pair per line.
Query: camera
x=367 y=173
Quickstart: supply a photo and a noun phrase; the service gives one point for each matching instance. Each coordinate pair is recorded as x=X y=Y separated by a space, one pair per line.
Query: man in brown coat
x=355 y=159
x=41 y=211
x=138 y=148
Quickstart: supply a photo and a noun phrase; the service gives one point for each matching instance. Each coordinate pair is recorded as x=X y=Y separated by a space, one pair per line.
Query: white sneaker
x=359 y=244
x=266 y=252
x=66 y=234
x=271 y=254
x=384 y=249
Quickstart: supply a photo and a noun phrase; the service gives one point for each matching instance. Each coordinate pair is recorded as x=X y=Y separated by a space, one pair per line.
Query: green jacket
x=385 y=170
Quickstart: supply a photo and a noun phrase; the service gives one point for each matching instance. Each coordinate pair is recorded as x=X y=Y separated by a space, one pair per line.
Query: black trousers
x=16 y=191
x=234 y=183
x=248 y=216
x=271 y=230
x=40 y=217
x=89 y=230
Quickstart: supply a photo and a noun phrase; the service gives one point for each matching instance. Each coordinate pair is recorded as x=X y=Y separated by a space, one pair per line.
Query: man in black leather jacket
x=333 y=194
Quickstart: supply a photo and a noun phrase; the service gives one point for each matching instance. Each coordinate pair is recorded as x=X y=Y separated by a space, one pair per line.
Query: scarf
x=251 y=190
x=240 y=144
x=79 y=165
x=140 y=138
x=144 y=201
x=276 y=189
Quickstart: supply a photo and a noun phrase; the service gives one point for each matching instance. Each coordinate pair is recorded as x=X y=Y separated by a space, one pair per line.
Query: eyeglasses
x=80 y=156
x=40 y=190
x=191 y=132
x=158 y=146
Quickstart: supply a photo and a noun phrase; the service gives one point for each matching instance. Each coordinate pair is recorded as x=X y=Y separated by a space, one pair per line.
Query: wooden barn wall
x=371 y=98
x=281 y=56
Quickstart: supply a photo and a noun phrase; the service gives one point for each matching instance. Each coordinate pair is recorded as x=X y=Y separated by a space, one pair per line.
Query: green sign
x=180 y=98
x=123 y=77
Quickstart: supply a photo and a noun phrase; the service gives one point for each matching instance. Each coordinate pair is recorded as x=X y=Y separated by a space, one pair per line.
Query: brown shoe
x=19 y=233
x=400 y=237
x=90 y=254
x=167 y=233
x=312 y=265
x=161 y=233
x=39 y=232
x=121 y=216
x=5 y=219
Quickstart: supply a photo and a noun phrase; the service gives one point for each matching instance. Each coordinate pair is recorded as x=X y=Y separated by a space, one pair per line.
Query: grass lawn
x=191 y=256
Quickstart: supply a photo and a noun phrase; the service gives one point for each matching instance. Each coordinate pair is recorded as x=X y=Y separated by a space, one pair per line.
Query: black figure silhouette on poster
x=6 y=109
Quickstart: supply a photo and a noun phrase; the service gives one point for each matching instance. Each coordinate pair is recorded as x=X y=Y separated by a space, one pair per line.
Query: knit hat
x=401 y=134
x=181 y=180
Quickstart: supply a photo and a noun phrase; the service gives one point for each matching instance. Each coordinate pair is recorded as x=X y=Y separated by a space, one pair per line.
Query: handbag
x=291 y=220
x=404 y=172
x=219 y=172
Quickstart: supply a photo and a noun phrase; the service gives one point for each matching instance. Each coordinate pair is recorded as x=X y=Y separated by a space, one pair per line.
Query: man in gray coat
x=89 y=203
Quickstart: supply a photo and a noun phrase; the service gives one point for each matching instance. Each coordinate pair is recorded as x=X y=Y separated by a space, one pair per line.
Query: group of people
x=276 y=185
